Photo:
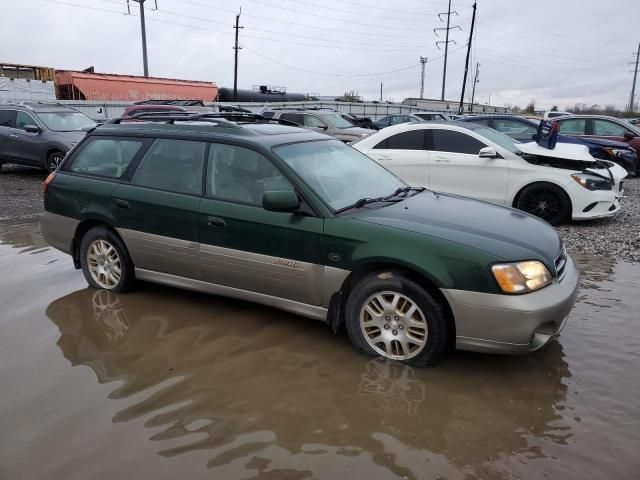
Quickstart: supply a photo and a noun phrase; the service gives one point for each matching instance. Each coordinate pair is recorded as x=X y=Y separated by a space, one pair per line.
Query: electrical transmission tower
x=236 y=47
x=423 y=62
x=633 y=87
x=446 y=42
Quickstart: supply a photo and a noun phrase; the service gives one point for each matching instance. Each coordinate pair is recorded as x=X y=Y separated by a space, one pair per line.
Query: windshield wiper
x=386 y=198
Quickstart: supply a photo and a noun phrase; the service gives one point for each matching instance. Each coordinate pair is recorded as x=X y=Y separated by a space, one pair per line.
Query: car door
x=7 y=133
x=405 y=155
x=28 y=147
x=246 y=247
x=455 y=167
x=158 y=209
x=602 y=128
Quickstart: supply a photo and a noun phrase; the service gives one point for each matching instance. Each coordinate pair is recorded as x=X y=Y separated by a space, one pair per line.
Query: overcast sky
x=558 y=52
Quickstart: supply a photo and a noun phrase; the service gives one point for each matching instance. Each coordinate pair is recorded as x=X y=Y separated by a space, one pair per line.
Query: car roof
x=259 y=133
x=471 y=118
x=38 y=107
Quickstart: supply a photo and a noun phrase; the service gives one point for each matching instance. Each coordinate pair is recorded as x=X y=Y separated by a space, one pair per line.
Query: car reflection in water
x=265 y=392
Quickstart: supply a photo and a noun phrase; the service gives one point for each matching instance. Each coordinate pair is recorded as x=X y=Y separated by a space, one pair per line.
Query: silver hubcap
x=393 y=325
x=104 y=264
x=54 y=162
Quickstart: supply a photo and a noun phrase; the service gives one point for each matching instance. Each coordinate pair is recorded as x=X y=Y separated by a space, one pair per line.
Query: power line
x=363 y=14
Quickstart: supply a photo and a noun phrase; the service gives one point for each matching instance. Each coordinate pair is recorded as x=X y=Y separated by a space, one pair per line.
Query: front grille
x=561 y=262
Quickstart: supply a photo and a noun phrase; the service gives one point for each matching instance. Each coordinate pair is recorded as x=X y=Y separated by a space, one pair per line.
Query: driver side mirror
x=488 y=152
x=629 y=135
x=31 y=129
x=280 y=201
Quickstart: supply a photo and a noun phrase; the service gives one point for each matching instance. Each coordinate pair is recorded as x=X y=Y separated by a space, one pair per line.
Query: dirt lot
x=20 y=192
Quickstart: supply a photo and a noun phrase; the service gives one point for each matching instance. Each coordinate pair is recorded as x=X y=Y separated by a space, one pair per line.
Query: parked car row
x=267 y=211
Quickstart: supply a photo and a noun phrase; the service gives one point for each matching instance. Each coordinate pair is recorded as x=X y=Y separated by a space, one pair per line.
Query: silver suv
x=326 y=121
x=39 y=134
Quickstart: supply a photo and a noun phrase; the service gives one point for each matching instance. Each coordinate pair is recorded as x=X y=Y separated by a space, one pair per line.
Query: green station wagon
x=282 y=216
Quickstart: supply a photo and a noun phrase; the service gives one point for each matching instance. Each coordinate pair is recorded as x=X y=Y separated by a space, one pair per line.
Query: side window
x=24 y=119
x=513 y=127
x=293 y=117
x=575 y=126
x=268 y=114
x=455 y=142
x=8 y=118
x=242 y=175
x=173 y=165
x=411 y=140
x=313 y=121
x=485 y=122
x=106 y=157
x=606 y=128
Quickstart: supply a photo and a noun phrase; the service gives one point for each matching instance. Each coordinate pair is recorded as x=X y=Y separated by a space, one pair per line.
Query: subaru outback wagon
x=293 y=219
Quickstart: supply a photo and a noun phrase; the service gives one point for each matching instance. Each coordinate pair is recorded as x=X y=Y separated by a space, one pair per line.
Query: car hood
x=354 y=131
x=506 y=233
x=71 y=137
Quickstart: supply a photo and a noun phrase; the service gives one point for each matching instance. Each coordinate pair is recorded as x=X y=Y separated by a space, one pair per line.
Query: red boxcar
x=73 y=85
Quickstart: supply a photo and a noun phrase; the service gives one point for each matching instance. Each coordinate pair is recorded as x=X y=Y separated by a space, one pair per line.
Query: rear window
x=105 y=157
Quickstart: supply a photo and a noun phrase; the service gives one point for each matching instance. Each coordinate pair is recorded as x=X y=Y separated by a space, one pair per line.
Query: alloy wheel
x=54 y=161
x=104 y=264
x=393 y=325
x=543 y=203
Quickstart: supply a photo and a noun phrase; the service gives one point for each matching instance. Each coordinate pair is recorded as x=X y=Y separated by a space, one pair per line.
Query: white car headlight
x=521 y=277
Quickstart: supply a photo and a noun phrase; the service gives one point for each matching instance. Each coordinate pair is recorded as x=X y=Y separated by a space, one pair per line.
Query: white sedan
x=479 y=162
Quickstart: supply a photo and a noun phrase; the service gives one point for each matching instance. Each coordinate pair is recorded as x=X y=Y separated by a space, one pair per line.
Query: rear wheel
x=54 y=160
x=105 y=261
x=546 y=201
x=389 y=315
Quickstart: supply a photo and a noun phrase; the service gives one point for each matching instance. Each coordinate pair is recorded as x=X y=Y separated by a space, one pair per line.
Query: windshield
x=337 y=121
x=66 y=121
x=338 y=173
x=501 y=139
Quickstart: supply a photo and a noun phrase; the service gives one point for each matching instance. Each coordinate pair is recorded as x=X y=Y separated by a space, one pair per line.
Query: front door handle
x=122 y=203
x=13 y=135
x=442 y=160
x=216 y=222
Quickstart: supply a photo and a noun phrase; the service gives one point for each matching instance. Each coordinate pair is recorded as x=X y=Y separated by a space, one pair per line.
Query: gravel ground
x=619 y=237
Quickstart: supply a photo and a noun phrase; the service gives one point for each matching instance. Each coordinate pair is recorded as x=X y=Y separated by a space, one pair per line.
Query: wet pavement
x=163 y=383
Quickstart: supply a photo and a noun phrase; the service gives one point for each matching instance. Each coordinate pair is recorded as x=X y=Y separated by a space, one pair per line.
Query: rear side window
x=8 y=118
x=172 y=165
x=293 y=117
x=574 y=126
x=411 y=140
x=242 y=175
x=455 y=142
x=106 y=157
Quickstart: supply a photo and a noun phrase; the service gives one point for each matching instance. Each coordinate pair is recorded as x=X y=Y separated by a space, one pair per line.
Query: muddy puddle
x=163 y=383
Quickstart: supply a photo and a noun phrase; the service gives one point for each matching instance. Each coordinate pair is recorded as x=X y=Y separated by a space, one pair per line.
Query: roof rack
x=225 y=119
x=180 y=102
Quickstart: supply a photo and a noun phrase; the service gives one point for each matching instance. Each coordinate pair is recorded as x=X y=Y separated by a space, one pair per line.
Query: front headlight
x=521 y=277
x=592 y=182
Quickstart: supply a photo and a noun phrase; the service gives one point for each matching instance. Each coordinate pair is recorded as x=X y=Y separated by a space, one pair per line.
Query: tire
x=426 y=328
x=546 y=201
x=54 y=160
x=105 y=262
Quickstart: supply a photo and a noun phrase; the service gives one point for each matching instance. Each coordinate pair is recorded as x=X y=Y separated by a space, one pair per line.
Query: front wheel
x=546 y=201
x=105 y=261
x=54 y=160
x=390 y=315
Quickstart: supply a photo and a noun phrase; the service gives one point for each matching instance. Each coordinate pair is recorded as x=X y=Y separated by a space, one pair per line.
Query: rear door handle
x=442 y=160
x=122 y=203
x=216 y=222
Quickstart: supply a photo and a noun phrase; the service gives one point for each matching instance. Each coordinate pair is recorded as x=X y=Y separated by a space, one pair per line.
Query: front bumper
x=494 y=323
x=597 y=203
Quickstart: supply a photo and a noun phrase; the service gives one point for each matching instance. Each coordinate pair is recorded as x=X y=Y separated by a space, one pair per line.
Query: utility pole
x=144 y=37
x=236 y=47
x=423 y=61
x=466 y=64
x=448 y=13
x=380 y=92
x=473 y=91
x=633 y=87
